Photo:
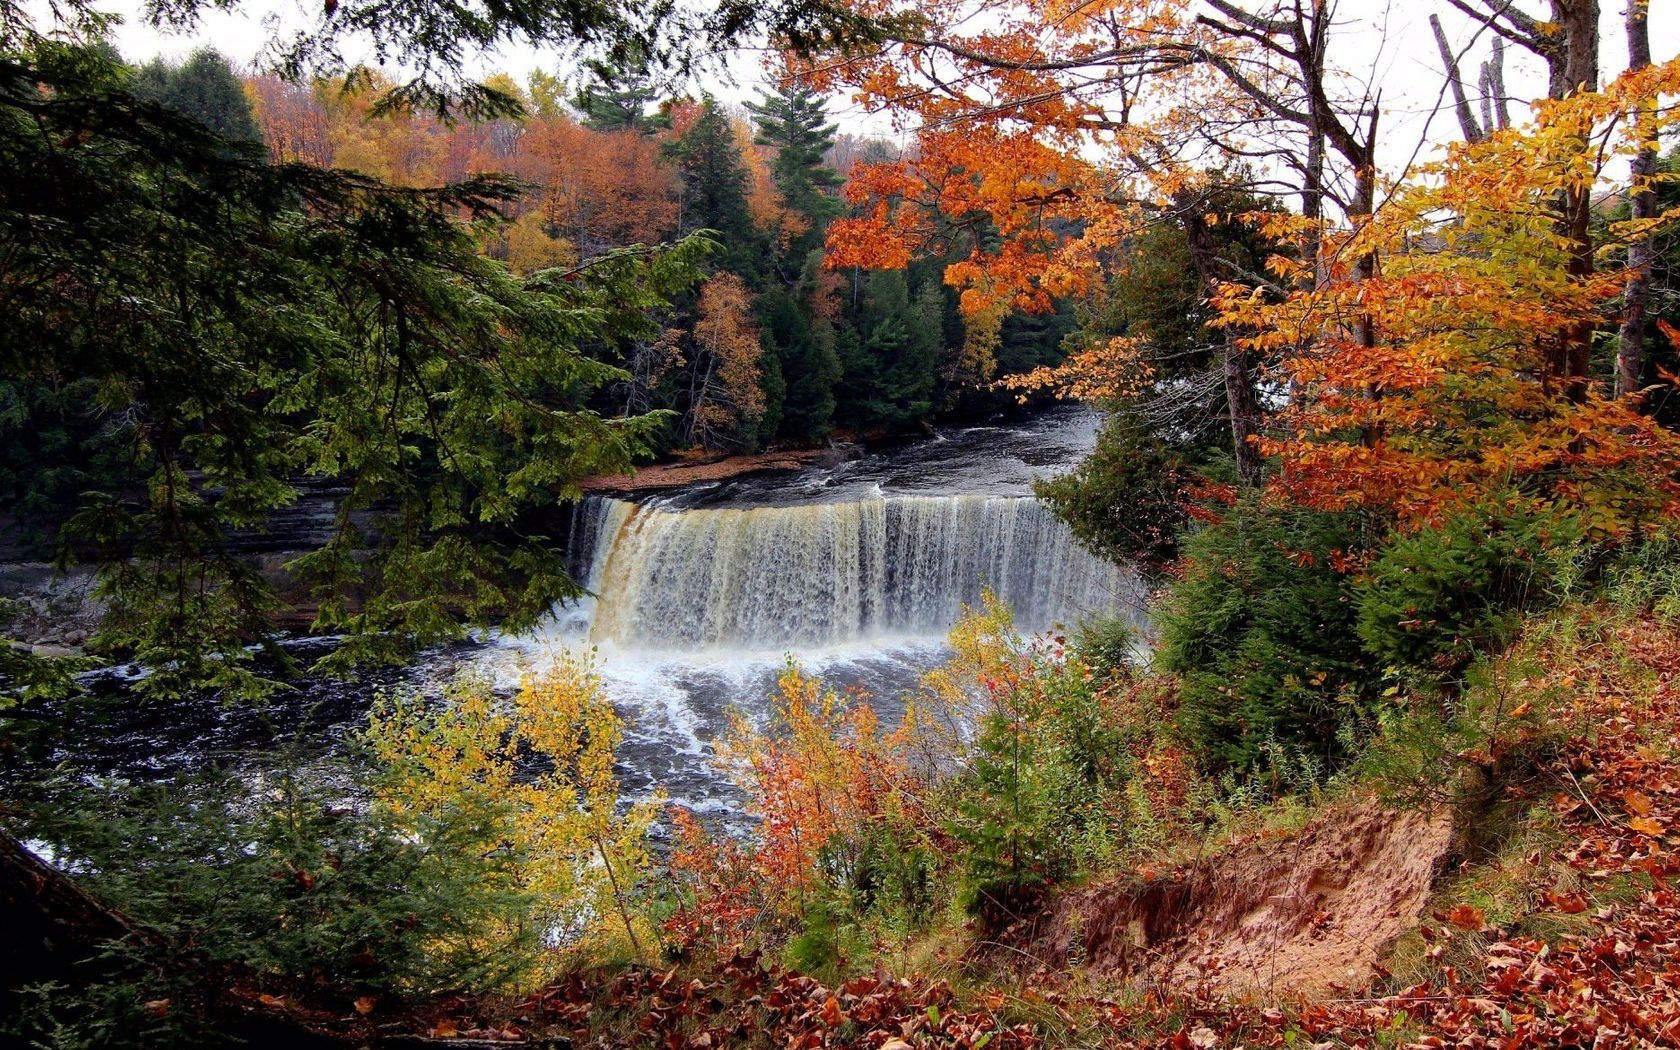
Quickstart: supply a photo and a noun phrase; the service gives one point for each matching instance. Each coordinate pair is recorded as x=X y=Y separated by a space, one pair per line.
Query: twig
x=1570 y=773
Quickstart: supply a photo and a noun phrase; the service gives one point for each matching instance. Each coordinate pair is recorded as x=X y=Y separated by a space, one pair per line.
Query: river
x=702 y=595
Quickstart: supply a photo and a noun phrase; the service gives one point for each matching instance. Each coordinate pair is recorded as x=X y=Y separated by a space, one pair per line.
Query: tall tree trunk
x=1242 y=402
x=1572 y=59
x=1630 y=353
x=1467 y=126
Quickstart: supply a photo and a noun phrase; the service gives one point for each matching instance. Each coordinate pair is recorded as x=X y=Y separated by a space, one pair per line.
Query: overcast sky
x=1389 y=40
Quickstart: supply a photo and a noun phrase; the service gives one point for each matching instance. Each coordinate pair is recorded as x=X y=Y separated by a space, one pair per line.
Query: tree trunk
x=1467 y=125
x=1572 y=60
x=1242 y=404
x=1630 y=353
x=55 y=931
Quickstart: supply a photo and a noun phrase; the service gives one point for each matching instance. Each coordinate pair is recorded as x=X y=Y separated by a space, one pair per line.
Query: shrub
x=1126 y=500
x=1042 y=797
x=487 y=833
x=1645 y=578
x=1260 y=631
x=1435 y=598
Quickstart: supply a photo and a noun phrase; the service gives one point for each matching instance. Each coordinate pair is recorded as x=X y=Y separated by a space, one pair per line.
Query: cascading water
x=825 y=574
x=857 y=570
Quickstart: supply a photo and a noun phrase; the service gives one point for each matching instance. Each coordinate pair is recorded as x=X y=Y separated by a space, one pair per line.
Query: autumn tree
x=1013 y=116
x=726 y=396
x=292 y=119
x=597 y=189
x=1471 y=331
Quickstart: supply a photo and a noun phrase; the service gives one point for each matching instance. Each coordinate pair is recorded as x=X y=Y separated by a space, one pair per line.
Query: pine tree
x=617 y=98
x=714 y=188
x=890 y=369
x=205 y=88
x=794 y=122
x=244 y=326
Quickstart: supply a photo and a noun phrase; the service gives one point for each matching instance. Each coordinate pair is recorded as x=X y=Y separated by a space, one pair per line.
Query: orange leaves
x=1466 y=917
x=732 y=399
x=1442 y=377
x=816 y=776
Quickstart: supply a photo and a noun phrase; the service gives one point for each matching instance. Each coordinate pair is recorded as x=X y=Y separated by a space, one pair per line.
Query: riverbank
x=681 y=473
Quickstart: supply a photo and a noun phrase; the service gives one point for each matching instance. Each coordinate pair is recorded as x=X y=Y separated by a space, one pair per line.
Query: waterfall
x=769 y=577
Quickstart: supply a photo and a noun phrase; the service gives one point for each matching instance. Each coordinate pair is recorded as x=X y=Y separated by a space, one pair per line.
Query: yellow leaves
x=733 y=396
x=536 y=775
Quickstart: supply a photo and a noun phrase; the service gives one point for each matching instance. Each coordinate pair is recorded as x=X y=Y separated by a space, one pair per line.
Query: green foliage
x=714 y=189
x=616 y=97
x=889 y=363
x=1434 y=598
x=1128 y=500
x=1108 y=646
x=277 y=877
x=205 y=88
x=1645 y=577
x=56 y=443
x=250 y=325
x=804 y=350
x=1035 y=803
x=794 y=122
x=1260 y=631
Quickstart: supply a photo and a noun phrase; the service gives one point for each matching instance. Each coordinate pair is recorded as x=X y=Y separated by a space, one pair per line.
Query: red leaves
x=1466 y=917
x=752 y=1003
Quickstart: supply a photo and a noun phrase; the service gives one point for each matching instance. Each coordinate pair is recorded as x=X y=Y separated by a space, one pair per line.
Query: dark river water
x=703 y=595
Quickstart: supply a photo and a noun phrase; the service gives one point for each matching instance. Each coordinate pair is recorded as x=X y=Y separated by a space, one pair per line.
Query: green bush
x=1125 y=501
x=285 y=881
x=1435 y=598
x=1109 y=646
x=1260 y=632
x=1036 y=803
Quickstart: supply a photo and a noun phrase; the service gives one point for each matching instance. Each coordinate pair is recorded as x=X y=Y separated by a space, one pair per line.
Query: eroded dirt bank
x=1270 y=916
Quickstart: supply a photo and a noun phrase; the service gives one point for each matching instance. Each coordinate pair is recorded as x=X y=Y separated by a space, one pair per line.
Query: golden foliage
x=538 y=771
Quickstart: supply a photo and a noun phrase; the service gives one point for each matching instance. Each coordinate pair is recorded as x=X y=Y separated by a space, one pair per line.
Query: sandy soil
x=676 y=475
x=1273 y=917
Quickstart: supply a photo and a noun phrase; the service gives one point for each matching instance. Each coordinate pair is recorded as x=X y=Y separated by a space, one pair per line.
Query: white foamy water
x=857 y=573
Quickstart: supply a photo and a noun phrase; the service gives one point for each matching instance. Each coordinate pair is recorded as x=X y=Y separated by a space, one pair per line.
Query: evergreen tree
x=714 y=188
x=252 y=325
x=889 y=368
x=205 y=88
x=617 y=98
x=794 y=122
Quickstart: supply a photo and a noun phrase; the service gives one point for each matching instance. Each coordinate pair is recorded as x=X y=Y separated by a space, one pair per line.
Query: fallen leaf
x=446 y=1030
x=158 y=1007
x=831 y=1015
x=1637 y=804
x=1466 y=917
x=1647 y=826
x=365 y=1004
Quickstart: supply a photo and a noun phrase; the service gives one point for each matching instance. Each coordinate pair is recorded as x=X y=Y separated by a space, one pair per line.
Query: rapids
x=701 y=596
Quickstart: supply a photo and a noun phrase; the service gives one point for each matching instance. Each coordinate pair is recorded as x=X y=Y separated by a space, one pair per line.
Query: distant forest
x=773 y=348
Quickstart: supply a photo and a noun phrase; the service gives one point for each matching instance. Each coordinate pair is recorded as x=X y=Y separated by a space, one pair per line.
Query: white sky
x=1388 y=40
